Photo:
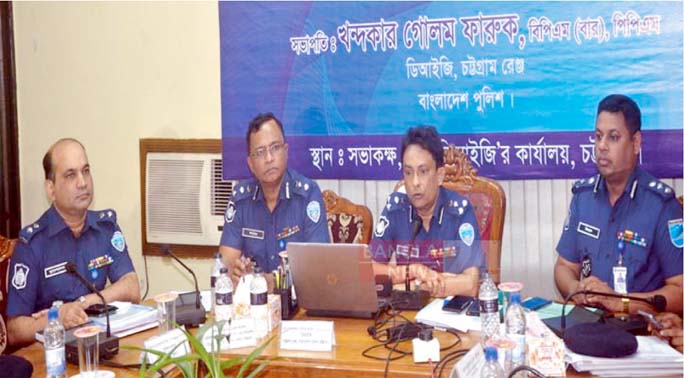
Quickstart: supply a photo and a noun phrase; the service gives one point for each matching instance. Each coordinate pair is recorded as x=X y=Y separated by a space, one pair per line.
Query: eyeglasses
x=260 y=153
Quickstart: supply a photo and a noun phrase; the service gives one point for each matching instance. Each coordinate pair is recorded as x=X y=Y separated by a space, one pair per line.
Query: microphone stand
x=109 y=345
x=410 y=300
x=187 y=315
x=166 y=249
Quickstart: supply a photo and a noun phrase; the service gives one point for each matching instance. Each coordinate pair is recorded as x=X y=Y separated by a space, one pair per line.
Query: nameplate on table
x=173 y=342
x=309 y=335
x=471 y=364
x=241 y=334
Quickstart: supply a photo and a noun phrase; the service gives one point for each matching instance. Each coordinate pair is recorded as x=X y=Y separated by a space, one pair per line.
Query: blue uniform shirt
x=299 y=216
x=452 y=244
x=37 y=269
x=648 y=208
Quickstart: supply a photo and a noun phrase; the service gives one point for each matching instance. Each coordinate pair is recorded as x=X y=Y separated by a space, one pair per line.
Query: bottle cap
x=491 y=354
x=53 y=313
x=515 y=297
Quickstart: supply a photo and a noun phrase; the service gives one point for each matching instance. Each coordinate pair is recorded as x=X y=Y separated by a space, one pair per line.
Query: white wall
x=109 y=74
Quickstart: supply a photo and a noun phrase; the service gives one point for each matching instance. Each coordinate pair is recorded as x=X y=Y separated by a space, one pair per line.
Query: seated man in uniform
x=67 y=233
x=446 y=256
x=275 y=207
x=623 y=233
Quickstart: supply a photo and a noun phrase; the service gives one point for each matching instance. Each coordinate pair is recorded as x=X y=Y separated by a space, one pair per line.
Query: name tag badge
x=55 y=270
x=588 y=230
x=252 y=233
x=620 y=279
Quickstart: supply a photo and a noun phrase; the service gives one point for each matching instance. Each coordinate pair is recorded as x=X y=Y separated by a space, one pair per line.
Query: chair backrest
x=487 y=198
x=347 y=222
x=6 y=250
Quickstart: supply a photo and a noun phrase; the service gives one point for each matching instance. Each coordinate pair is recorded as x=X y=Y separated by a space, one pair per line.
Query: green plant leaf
x=250 y=357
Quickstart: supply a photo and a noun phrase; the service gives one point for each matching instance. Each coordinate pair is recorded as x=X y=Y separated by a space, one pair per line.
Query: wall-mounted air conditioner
x=185 y=198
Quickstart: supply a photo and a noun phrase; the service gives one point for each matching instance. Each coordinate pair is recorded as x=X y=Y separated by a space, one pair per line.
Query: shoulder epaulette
x=244 y=189
x=661 y=189
x=105 y=216
x=28 y=232
x=397 y=201
x=301 y=185
x=457 y=206
x=590 y=183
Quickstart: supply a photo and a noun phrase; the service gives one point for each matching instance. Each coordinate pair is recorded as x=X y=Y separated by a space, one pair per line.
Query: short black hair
x=48 y=167
x=617 y=103
x=427 y=138
x=258 y=121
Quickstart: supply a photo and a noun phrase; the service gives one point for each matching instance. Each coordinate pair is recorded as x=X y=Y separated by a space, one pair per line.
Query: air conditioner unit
x=186 y=198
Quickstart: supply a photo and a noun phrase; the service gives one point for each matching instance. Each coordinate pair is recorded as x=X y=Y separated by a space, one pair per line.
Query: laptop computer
x=333 y=279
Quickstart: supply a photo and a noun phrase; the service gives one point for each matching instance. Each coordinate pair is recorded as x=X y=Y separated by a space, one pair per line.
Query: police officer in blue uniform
x=276 y=206
x=67 y=233
x=623 y=233
x=446 y=256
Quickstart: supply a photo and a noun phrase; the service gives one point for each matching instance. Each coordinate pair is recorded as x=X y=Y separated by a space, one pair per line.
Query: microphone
x=71 y=268
x=187 y=313
x=407 y=299
x=603 y=339
x=109 y=345
x=415 y=229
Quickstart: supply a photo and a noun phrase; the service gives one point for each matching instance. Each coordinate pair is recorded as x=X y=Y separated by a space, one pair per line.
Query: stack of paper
x=433 y=315
x=654 y=357
x=130 y=318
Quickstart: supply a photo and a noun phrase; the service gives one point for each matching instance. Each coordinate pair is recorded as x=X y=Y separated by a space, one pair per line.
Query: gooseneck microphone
x=71 y=268
x=603 y=339
x=108 y=345
x=415 y=229
x=407 y=299
x=190 y=314
x=166 y=249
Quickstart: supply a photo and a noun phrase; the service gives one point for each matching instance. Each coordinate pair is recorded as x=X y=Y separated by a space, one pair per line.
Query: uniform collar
x=440 y=204
x=56 y=223
x=630 y=188
x=285 y=188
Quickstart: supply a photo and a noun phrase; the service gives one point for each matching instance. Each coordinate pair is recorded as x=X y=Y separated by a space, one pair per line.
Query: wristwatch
x=625 y=305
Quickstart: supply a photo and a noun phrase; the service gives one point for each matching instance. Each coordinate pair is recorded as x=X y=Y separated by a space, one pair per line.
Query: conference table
x=345 y=360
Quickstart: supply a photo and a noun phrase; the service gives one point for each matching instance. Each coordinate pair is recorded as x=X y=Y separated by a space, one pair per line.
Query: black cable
x=389 y=356
x=147 y=279
x=530 y=369
x=447 y=359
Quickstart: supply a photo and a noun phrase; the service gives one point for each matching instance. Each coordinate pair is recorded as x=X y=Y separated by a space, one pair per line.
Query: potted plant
x=202 y=362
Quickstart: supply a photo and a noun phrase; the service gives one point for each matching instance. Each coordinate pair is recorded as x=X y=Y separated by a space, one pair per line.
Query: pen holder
x=289 y=305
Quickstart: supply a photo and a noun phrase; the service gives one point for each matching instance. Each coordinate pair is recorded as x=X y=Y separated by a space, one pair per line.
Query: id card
x=620 y=279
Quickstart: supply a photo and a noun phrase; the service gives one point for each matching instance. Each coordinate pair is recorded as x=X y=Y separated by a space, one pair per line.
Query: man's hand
x=672 y=329
x=72 y=314
x=430 y=280
x=594 y=284
x=239 y=267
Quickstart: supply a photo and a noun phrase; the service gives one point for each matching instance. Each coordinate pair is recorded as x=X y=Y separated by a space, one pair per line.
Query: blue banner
x=516 y=84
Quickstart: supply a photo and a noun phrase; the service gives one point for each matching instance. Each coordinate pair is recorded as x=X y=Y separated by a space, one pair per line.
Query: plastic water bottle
x=223 y=297
x=491 y=368
x=515 y=331
x=489 y=308
x=258 y=300
x=55 y=362
x=215 y=273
